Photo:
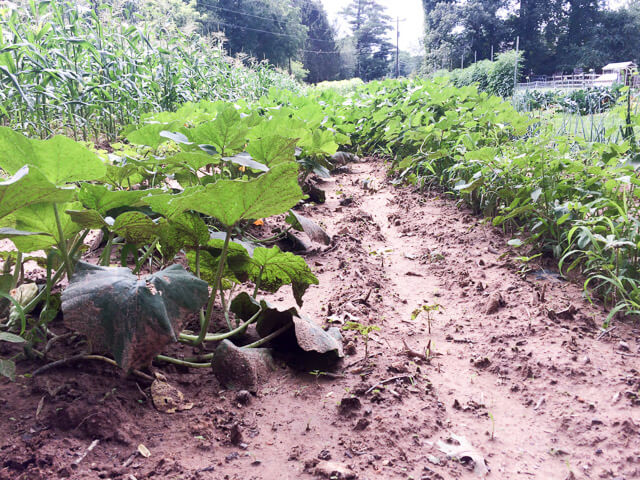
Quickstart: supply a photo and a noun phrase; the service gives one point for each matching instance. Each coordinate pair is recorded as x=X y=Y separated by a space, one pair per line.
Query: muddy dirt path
x=517 y=366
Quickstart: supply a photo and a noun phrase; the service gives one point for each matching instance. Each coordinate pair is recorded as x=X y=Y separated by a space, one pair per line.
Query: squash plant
x=218 y=190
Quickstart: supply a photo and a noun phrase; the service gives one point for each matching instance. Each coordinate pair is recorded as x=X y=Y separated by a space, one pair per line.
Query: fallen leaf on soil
x=464 y=450
x=334 y=470
x=131 y=317
x=168 y=399
x=144 y=451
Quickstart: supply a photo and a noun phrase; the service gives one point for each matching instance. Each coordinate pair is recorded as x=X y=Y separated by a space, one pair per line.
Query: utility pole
x=397 y=47
x=515 y=70
x=398 y=20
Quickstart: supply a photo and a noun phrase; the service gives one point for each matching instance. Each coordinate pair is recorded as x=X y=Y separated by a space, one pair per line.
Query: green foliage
x=67 y=70
x=496 y=78
x=576 y=200
x=582 y=101
x=557 y=36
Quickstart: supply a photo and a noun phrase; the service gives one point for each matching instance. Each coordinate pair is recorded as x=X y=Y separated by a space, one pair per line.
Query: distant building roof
x=616 y=67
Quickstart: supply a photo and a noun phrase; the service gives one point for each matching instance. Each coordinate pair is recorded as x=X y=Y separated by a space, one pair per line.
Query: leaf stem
x=146 y=256
x=183 y=363
x=62 y=244
x=258 y=281
x=105 y=257
x=269 y=337
x=222 y=336
x=16 y=271
x=216 y=287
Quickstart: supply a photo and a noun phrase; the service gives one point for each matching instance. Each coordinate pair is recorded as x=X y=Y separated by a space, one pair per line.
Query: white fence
x=583 y=80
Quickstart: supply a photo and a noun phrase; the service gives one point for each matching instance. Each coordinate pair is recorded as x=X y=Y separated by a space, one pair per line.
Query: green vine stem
x=185 y=337
x=105 y=256
x=258 y=281
x=207 y=316
x=146 y=255
x=62 y=244
x=269 y=337
x=183 y=363
x=16 y=271
x=198 y=261
x=56 y=276
x=225 y=311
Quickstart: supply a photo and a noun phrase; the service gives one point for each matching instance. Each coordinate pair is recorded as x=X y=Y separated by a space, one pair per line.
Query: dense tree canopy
x=556 y=35
x=265 y=29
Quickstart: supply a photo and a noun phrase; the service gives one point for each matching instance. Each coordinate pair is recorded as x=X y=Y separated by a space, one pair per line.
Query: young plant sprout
x=364 y=331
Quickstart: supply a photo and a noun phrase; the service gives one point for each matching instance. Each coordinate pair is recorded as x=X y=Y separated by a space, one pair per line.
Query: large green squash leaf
x=15 y=148
x=136 y=227
x=27 y=187
x=60 y=159
x=185 y=229
x=195 y=160
x=276 y=268
x=130 y=317
x=149 y=134
x=103 y=200
x=231 y=201
x=41 y=218
x=273 y=150
x=227 y=132
x=167 y=204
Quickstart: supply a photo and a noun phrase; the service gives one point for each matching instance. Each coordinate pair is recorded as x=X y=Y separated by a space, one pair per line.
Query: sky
x=411 y=20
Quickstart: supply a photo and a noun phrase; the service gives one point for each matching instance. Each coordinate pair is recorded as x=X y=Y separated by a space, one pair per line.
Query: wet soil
x=472 y=343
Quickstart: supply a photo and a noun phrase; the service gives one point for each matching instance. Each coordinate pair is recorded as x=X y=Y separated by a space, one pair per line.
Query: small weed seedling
x=317 y=374
x=524 y=260
x=428 y=309
x=493 y=425
x=364 y=331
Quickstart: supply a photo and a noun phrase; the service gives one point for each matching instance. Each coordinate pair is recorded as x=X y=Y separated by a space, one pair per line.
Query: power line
x=260 y=17
x=242 y=27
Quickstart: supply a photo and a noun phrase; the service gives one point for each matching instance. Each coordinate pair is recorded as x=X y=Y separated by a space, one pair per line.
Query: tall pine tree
x=320 y=55
x=370 y=26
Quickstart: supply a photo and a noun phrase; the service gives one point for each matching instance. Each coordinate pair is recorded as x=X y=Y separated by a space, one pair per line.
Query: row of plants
x=190 y=185
x=584 y=101
x=186 y=188
x=559 y=195
x=494 y=77
x=86 y=73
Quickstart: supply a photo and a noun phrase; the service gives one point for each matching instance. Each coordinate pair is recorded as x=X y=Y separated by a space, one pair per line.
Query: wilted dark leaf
x=130 y=317
x=314 y=231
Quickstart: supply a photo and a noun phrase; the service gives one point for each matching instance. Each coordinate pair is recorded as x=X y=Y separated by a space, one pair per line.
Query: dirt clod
x=243 y=397
x=494 y=303
x=349 y=404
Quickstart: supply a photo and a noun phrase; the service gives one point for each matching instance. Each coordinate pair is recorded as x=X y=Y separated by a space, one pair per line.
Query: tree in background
x=555 y=35
x=369 y=25
x=320 y=56
x=443 y=42
x=264 y=29
x=458 y=33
